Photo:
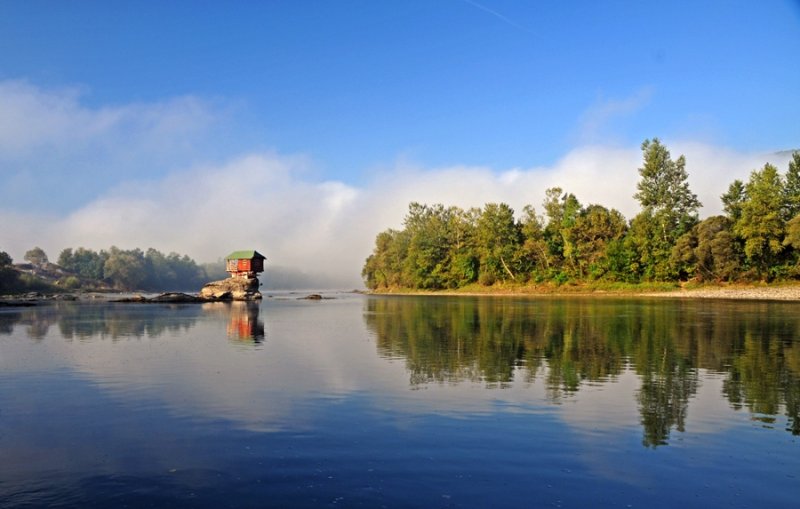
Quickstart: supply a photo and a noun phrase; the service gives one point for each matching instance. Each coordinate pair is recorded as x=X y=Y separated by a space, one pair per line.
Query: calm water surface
x=401 y=402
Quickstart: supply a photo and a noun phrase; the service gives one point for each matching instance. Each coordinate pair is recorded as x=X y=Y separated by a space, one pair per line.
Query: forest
x=112 y=269
x=757 y=238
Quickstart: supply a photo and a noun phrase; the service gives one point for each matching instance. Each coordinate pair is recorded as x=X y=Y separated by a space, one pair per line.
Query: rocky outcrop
x=233 y=288
x=171 y=297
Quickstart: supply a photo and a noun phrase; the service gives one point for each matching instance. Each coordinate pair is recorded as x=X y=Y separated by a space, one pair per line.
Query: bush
x=69 y=283
x=486 y=279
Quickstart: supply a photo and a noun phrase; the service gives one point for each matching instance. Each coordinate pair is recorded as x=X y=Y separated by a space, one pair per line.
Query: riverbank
x=776 y=292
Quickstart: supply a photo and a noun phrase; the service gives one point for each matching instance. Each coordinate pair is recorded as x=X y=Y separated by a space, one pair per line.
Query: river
x=370 y=401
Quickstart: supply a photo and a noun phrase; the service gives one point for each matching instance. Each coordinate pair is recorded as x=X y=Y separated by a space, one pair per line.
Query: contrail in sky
x=496 y=14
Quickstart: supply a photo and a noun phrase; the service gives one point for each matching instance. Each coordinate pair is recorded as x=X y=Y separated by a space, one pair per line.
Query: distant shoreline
x=780 y=292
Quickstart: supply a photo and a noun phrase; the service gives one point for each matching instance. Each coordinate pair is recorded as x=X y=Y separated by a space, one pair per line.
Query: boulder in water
x=233 y=288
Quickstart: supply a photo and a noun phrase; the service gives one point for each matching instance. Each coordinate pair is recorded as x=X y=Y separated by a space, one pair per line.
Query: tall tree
x=732 y=200
x=464 y=260
x=669 y=208
x=761 y=224
x=534 y=257
x=562 y=210
x=792 y=187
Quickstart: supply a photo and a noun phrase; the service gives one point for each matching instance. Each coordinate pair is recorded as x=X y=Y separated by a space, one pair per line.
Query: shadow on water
x=571 y=342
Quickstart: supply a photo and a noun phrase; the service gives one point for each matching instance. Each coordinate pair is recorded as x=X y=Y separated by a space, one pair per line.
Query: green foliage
x=792 y=188
x=9 y=278
x=36 y=256
x=761 y=225
x=83 y=262
x=132 y=269
x=732 y=200
x=447 y=247
x=533 y=257
x=69 y=283
x=708 y=251
x=664 y=184
x=497 y=238
x=669 y=209
x=588 y=239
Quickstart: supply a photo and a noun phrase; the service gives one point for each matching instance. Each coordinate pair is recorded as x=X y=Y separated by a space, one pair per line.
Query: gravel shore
x=789 y=293
x=783 y=292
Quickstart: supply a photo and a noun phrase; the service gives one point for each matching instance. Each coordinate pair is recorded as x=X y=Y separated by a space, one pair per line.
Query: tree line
x=758 y=237
x=115 y=268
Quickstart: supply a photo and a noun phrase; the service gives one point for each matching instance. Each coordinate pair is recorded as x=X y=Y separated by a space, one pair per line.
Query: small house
x=244 y=263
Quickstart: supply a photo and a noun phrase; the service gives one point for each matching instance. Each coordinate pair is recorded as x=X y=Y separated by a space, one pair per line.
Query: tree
x=84 y=262
x=125 y=269
x=533 y=256
x=761 y=225
x=36 y=256
x=792 y=237
x=562 y=210
x=664 y=184
x=792 y=188
x=384 y=267
x=732 y=200
x=427 y=264
x=669 y=208
x=497 y=240
x=9 y=278
x=589 y=237
x=464 y=262
x=708 y=251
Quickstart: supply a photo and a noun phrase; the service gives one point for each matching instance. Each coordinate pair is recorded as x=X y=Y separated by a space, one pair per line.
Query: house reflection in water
x=244 y=324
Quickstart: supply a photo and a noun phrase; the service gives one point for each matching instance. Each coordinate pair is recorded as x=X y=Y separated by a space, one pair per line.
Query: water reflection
x=113 y=321
x=244 y=324
x=570 y=343
x=116 y=321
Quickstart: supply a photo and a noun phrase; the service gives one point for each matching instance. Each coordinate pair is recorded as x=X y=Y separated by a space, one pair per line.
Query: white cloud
x=262 y=201
x=268 y=201
x=56 y=151
x=33 y=119
x=596 y=123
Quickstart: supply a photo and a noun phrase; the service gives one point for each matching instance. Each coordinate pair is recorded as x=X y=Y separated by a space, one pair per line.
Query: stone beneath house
x=233 y=288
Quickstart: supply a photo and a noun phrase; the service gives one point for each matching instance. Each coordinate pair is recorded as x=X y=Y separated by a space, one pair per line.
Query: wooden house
x=244 y=263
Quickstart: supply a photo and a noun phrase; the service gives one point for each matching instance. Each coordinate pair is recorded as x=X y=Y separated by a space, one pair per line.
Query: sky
x=303 y=128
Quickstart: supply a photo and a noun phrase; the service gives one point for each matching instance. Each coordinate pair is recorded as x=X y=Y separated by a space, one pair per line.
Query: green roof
x=245 y=255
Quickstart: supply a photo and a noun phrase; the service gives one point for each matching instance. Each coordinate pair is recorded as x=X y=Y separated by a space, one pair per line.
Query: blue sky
x=103 y=98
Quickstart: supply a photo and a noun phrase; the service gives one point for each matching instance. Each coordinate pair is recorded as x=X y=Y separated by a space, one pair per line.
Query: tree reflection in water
x=101 y=321
x=569 y=342
x=118 y=321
